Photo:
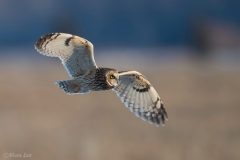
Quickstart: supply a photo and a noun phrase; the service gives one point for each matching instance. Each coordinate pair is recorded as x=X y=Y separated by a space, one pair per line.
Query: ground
x=39 y=119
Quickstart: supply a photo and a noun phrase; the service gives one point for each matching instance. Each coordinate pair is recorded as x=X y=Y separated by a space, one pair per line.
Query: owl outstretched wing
x=76 y=53
x=140 y=97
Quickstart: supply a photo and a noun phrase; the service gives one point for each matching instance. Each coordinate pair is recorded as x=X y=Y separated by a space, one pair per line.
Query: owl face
x=112 y=78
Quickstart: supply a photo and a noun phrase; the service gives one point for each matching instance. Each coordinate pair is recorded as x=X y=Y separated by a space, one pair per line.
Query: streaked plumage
x=76 y=54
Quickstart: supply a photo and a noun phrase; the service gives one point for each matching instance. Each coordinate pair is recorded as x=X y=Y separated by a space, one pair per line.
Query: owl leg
x=71 y=87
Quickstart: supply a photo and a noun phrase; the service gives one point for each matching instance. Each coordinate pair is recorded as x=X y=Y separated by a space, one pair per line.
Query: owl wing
x=140 y=97
x=76 y=53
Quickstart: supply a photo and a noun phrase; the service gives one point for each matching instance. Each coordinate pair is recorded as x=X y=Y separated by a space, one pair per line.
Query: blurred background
x=188 y=50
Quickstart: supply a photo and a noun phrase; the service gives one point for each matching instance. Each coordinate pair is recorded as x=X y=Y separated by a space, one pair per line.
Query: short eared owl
x=76 y=54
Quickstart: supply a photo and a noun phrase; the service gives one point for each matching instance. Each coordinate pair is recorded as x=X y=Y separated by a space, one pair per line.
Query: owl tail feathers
x=71 y=87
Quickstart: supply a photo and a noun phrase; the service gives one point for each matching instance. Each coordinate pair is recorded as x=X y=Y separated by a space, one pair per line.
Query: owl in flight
x=76 y=54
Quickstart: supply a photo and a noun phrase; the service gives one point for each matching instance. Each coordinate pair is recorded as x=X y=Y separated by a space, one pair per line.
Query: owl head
x=112 y=78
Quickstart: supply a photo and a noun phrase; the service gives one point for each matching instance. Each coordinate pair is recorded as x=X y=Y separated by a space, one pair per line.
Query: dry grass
x=39 y=119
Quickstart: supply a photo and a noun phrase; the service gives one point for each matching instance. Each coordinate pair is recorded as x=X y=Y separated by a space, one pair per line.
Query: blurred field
x=202 y=101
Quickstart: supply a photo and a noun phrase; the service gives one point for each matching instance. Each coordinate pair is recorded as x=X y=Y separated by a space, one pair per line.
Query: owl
x=76 y=54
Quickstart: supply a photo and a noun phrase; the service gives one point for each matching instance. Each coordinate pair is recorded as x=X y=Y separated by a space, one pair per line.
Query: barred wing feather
x=76 y=53
x=140 y=97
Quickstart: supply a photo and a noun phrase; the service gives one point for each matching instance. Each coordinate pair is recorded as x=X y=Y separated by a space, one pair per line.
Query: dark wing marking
x=140 y=97
x=76 y=53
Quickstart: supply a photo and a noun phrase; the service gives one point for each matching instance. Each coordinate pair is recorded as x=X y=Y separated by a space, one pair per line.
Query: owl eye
x=112 y=77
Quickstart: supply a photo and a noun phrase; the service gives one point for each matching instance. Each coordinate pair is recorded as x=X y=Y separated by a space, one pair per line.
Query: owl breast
x=97 y=80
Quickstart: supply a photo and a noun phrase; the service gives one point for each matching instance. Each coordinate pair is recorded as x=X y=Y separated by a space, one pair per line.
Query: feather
x=132 y=100
x=76 y=53
x=136 y=105
x=124 y=94
x=150 y=119
x=117 y=87
x=120 y=89
x=144 y=110
x=155 y=119
x=141 y=98
x=128 y=95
